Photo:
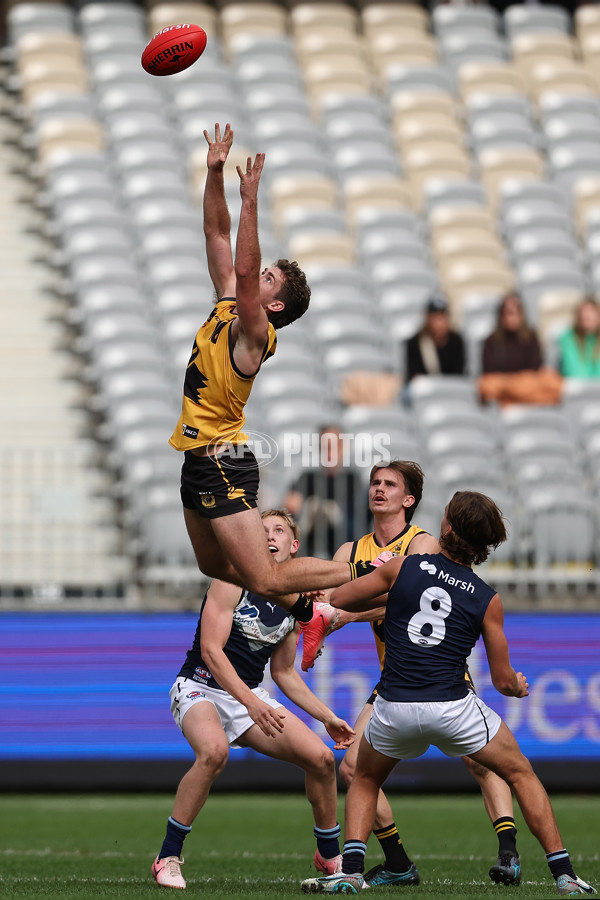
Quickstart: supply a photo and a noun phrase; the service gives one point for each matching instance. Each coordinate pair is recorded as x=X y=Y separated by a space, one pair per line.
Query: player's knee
x=269 y=584
x=209 y=566
x=212 y=761
x=323 y=763
x=346 y=772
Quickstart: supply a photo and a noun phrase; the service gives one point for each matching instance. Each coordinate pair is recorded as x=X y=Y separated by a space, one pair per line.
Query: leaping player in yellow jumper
x=219 y=479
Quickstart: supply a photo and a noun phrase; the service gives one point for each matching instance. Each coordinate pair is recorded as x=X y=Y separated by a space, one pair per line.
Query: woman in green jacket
x=580 y=345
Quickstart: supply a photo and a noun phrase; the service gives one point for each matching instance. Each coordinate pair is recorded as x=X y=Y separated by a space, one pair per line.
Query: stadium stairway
x=60 y=535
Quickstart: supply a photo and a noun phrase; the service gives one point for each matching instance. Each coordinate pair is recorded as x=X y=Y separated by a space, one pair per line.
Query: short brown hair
x=283 y=514
x=294 y=293
x=413 y=477
x=477 y=527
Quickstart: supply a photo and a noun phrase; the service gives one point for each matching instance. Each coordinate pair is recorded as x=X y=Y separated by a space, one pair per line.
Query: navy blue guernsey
x=258 y=627
x=433 y=620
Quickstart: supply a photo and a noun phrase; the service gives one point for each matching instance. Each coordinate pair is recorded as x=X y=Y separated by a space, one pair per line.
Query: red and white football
x=173 y=49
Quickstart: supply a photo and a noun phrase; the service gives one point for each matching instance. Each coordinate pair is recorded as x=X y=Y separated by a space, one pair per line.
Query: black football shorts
x=220 y=485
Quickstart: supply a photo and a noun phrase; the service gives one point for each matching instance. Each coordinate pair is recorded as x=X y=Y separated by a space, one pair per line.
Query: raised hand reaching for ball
x=218 y=150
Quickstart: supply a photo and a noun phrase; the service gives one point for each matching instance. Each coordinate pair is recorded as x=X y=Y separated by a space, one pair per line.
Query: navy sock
x=174 y=838
x=328 y=843
x=354 y=857
x=560 y=864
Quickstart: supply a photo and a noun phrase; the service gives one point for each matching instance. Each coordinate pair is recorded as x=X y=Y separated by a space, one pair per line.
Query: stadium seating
x=409 y=149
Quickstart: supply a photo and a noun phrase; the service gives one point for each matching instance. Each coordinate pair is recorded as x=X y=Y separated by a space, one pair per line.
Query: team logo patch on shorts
x=234 y=493
x=193 y=695
x=208 y=500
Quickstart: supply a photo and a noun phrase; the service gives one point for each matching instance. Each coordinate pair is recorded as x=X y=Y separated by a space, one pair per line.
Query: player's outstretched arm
x=344 y=554
x=217 y=618
x=288 y=679
x=504 y=677
x=217 y=222
x=253 y=321
x=370 y=591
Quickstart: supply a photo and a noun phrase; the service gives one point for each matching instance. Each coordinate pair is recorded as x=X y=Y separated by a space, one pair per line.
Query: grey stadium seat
x=531 y=213
x=344 y=357
x=502 y=130
x=440 y=192
x=96 y=240
x=23 y=18
x=163 y=533
x=378 y=418
x=483 y=103
x=406 y=77
x=526 y=19
x=542 y=242
x=121 y=16
x=564 y=529
x=130 y=98
x=456 y=442
x=99 y=270
x=447 y=19
x=147 y=184
x=428 y=388
x=546 y=273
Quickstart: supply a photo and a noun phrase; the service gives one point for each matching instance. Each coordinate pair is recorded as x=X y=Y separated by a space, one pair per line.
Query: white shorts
x=456 y=727
x=233 y=715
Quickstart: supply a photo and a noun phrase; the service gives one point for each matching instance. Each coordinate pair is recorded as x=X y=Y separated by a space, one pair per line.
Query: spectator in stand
x=512 y=365
x=328 y=500
x=580 y=345
x=513 y=346
x=436 y=349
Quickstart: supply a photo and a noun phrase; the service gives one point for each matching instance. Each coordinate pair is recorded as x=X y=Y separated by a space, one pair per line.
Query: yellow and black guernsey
x=367 y=549
x=215 y=392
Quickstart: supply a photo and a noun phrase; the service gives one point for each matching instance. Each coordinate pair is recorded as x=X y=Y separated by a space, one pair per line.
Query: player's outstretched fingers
x=248 y=169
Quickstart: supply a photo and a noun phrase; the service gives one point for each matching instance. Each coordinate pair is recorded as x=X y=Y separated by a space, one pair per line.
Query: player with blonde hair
x=217 y=702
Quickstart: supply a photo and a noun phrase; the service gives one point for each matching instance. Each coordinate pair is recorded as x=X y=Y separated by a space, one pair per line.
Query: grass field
x=261 y=845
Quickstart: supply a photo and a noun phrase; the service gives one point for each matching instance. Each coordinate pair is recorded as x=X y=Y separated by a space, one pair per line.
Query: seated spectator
x=513 y=346
x=580 y=346
x=328 y=500
x=512 y=363
x=436 y=349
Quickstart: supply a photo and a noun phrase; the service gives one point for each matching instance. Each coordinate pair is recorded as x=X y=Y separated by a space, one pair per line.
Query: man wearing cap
x=436 y=349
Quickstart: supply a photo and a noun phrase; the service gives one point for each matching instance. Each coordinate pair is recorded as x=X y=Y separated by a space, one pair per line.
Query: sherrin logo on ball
x=173 y=49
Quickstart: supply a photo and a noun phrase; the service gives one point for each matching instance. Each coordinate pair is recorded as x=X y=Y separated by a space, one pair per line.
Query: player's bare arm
x=287 y=678
x=504 y=677
x=251 y=328
x=217 y=618
x=217 y=221
x=423 y=543
x=344 y=554
x=367 y=592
